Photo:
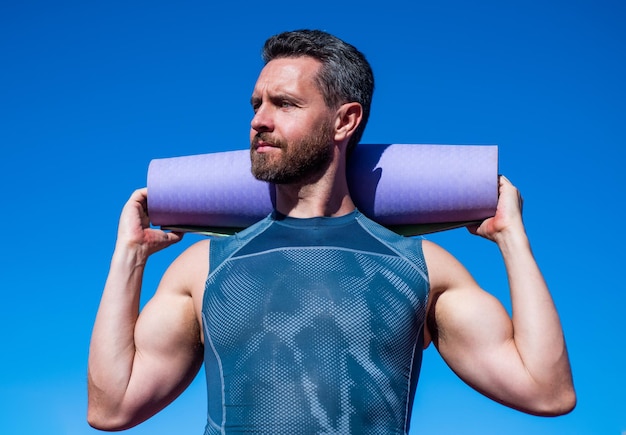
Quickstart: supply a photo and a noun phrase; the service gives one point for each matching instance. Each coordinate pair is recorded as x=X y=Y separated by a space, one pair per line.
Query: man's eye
x=286 y=104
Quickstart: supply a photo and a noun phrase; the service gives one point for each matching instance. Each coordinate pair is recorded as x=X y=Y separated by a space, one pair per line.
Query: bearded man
x=314 y=319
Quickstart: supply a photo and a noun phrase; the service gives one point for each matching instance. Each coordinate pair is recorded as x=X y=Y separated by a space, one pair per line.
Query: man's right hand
x=134 y=230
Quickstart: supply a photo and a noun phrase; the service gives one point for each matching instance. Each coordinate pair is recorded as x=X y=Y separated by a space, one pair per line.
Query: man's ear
x=349 y=116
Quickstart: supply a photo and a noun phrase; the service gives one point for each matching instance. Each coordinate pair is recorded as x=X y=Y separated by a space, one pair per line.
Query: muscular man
x=314 y=319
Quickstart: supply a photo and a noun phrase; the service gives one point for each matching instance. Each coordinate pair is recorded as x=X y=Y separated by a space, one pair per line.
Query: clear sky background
x=90 y=92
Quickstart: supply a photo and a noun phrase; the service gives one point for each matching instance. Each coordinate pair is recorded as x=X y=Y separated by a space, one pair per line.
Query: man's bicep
x=449 y=280
x=167 y=356
x=167 y=332
x=476 y=341
x=168 y=348
x=474 y=333
x=473 y=329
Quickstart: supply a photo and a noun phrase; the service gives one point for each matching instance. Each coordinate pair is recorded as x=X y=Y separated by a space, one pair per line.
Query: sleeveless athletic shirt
x=313 y=326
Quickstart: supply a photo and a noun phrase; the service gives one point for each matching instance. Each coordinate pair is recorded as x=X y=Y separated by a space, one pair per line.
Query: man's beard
x=297 y=162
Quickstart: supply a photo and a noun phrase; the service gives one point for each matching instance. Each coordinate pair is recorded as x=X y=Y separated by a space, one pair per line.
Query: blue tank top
x=313 y=326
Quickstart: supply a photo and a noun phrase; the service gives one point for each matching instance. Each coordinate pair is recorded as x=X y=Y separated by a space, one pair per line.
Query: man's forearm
x=112 y=349
x=538 y=334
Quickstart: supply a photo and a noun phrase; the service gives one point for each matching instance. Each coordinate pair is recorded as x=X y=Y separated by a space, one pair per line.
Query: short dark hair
x=344 y=77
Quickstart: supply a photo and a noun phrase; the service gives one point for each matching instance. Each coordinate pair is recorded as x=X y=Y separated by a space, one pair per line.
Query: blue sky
x=90 y=92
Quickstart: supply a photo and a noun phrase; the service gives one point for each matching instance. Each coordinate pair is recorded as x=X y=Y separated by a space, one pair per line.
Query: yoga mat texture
x=410 y=188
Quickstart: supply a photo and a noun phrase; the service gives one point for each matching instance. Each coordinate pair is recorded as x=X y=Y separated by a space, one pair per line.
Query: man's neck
x=327 y=196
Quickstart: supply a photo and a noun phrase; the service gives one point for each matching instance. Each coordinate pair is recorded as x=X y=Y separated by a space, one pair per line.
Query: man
x=314 y=319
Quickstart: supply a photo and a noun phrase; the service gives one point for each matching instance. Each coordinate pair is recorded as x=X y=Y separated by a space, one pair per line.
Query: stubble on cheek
x=294 y=162
x=266 y=165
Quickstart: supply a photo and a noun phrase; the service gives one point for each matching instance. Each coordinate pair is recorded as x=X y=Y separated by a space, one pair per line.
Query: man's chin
x=272 y=175
x=265 y=173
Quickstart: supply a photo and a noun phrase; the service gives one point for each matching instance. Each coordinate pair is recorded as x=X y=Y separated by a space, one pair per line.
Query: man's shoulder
x=192 y=259
x=198 y=248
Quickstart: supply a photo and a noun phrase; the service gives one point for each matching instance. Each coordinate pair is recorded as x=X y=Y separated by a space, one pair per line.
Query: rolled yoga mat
x=411 y=189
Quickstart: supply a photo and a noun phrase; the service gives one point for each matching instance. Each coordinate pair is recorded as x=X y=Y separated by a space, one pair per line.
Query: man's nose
x=262 y=120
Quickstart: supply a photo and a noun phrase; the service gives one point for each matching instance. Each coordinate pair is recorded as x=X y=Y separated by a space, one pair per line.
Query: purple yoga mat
x=412 y=189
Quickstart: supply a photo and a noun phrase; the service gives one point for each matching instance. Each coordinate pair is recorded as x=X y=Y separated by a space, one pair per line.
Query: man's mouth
x=262 y=144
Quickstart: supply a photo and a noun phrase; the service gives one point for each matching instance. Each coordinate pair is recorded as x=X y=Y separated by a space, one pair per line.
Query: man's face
x=291 y=135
